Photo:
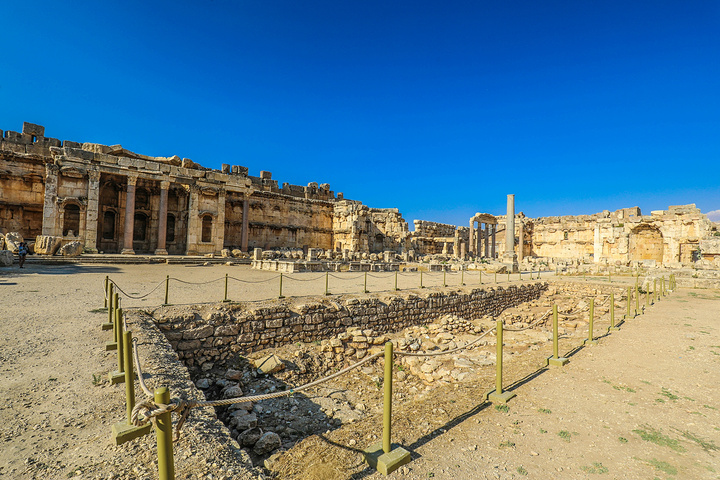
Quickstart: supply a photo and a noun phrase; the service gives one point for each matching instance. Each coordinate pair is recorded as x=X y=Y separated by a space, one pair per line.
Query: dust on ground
x=640 y=404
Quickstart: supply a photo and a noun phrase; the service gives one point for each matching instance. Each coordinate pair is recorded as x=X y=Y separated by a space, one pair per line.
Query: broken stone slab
x=268 y=442
x=242 y=420
x=72 y=249
x=6 y=258
x=12 y=241
x=269 y=364
x=47 y=244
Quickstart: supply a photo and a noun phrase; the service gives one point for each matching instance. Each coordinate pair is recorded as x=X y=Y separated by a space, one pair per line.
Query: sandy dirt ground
x=642 y=403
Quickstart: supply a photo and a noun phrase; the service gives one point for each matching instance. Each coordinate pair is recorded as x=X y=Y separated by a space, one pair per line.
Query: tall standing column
x=493 y=241
x=487 y=239
x=129 y=216
x=91 y=214
x=479 y=240
x=521 y=246
x=245 y=224
x=162 y=219
x=220 y=222
x=509 y=257
x=50 y=210
x=193 y=224
x=471 y=241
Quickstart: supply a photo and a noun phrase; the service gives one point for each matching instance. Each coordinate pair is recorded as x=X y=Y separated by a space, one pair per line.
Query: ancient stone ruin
x=110 y=200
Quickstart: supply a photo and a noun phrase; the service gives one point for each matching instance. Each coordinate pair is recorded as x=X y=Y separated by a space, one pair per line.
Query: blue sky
x=437 y=108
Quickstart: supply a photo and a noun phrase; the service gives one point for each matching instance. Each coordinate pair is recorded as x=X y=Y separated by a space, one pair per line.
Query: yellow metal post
x=281 y=295
x=226 y=288
x=105 y=305
x=365 y=290
x=556 y=360
x=590 y=340
x=167 y=289
x=396 y=287
x=498 y=396
x=125 y=431
x=387 y=410
x=163 y=430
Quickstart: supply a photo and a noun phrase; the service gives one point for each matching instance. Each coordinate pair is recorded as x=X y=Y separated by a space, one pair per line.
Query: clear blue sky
x=437 y=108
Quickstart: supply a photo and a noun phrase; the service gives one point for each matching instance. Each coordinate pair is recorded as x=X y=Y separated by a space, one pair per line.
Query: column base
x=161 y=251
x=109 y=346
x=511 y=262
x=503 y=397
x=590 y=342
x=122 y=432
x=557 y=362
x=127 y=251
x=386 y=463
x=107 y=326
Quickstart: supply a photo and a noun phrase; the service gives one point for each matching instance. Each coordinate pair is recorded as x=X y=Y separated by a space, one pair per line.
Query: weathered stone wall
x=358 y=228
x=211 y=333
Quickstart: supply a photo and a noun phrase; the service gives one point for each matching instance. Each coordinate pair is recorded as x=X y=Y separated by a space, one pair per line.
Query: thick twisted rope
x=197 y=283
x=306 y=280
x=136 y=297
x=258 y=281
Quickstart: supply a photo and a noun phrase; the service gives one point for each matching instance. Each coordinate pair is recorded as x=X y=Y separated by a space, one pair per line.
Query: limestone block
x=47 y=244
x=2 y=241
x=225 y=253
x=257 y=254
x=12 y=240
x=268 y=442
x=710 y=246
x=6 y=258
x=269 y=364
x=72 y=249
x=33 y=129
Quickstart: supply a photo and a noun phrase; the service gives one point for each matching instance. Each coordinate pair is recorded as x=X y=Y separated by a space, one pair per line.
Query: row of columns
x=488 y=238
x=90 y=220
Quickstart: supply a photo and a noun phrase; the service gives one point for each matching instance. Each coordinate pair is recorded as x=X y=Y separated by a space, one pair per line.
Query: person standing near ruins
x=22 y=253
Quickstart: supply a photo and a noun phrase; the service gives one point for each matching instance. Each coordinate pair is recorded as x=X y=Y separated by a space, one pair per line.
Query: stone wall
x=205 y=334
x=358 y=228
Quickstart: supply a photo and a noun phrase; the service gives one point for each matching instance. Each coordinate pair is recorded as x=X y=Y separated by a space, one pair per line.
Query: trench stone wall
x=207 y=334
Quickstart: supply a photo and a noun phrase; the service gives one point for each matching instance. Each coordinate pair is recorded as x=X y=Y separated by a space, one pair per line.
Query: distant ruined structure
x=112 y=200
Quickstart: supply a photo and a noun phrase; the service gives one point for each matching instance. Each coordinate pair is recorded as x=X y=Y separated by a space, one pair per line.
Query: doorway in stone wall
x=646 y=243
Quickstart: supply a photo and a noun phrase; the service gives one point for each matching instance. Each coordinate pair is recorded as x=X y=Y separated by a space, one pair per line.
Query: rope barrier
x=346 y=278
x=134 y=297
x=287 y=277
x=258 y=281
x=197 y=283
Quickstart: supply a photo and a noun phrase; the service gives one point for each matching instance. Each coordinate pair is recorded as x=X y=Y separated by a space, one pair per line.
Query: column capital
x=164 y=184
x=94 y=175
x=132 y=179
x=51 y=169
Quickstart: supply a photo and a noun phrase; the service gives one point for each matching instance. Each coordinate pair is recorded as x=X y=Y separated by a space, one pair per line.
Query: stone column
x=162 y=219
x=245 y=224
x=492 y=245
x=487 y=239
x=521 y=246
x=471 y=241
x=129 y=216
x=220 y=222
x=50 y=210
x=193 y=224
x=91 y=214
x=509 y=257
x=479 y=240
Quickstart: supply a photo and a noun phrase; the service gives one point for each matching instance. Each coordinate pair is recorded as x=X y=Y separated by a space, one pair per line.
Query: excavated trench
x=235 y=350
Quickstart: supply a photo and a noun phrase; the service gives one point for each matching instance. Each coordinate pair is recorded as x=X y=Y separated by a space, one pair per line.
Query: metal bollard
x=109 y=325
x=381 y=455
x=495 y=277
x=590 y=340
x=647 y=297
x=508 y=277
x=480 y=275
x=365 y=290
x=118 y=376
x=167 y=289
x=163 y=430
x=637 y=300
x=226 y=285
x=629 y=301
x=421 y=285
x=556 y=360
x=613 y=327
x=444 y=282
x=497 y=395
x=396 y=288
x=281 y=295
x=125 y=431
x=655 y=292
x=387 y=410
x=107 y=282
x=462 y=277
x=327 y=277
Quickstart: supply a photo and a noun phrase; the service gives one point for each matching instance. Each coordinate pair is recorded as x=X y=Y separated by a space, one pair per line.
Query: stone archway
x=646 y=243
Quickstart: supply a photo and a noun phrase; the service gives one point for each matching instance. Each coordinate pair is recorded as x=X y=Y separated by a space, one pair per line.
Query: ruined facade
x=115 y=201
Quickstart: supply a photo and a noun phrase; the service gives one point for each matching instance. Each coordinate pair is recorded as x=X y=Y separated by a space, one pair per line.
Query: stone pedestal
x=386 y=463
